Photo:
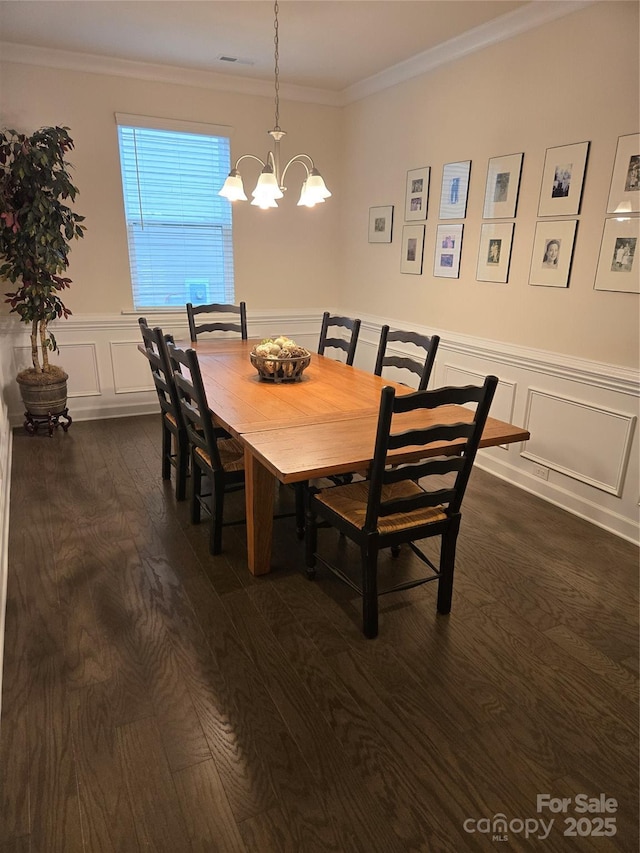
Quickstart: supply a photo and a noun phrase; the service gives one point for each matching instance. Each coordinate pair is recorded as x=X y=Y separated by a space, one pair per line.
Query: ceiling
x=324 y=44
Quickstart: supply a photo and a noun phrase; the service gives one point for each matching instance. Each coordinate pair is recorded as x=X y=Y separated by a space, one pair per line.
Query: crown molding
x=528 y=17
x=94 y=64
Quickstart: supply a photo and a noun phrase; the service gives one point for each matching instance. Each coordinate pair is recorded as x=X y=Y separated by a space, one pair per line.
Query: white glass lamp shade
x=264 y=203
x=315 y=188
x=307 y=199
x=267 y=188
x=232 y=189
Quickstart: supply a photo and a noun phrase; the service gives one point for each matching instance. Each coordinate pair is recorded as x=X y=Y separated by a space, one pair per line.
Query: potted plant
x=36 y=229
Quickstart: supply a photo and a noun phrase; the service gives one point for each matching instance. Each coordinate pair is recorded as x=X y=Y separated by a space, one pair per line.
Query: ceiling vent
x=235 y=60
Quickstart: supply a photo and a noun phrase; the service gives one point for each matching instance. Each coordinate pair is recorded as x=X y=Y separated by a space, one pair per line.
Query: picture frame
x=494 y=253
x=412 y=249
x=624 y=194
x=503 y=186
x=381 y=224
x=619 y=259
x=455 y=189
x=417 y=194
x=563 y=180
x=446 y=261
x=553 y=252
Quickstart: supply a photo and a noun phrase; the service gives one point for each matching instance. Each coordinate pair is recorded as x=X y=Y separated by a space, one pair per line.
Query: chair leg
x=217 y=516
x=182 y=467
x=447 y=565
x=369 y=556
x=310 y=543
x=166 y=452
x=196 y=488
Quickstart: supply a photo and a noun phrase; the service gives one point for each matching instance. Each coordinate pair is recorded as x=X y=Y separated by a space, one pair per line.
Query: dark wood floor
x=156 y=698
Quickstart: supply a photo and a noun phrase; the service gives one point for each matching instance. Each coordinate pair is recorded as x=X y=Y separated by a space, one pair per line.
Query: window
x=178 y=227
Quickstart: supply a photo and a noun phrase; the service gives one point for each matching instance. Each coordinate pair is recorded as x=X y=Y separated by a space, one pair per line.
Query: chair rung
x=421 y=556
x=340 y=574
x=396 y=588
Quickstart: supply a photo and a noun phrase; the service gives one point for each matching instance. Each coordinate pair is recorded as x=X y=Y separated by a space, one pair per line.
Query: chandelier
x=271 y=186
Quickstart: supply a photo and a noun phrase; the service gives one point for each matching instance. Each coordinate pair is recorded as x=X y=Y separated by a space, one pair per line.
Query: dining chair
x=239 y=324
x=348 y=345
x=395 y=505
x=175 y=444
x=418 y=360
x=221 y=460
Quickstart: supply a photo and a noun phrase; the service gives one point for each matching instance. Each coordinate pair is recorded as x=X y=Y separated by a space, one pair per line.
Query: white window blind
x=178 y=227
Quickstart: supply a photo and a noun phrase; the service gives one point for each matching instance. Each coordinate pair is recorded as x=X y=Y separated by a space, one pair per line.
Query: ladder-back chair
x=392 y=507
x=175 y=444
x=236 y=323
x=330 y=339
x=221 y=460
x=419 y=360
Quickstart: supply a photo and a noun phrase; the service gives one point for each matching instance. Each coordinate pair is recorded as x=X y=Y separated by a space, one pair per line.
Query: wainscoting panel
x=504 y=399
x=130 y=369
x=586 y=442
x=80 y=362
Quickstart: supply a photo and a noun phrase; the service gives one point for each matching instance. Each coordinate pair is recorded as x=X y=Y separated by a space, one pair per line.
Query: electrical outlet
x=540 y=471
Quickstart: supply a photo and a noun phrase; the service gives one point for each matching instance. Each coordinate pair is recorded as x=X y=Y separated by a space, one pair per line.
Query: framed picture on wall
x=618 y=262
x=412 y=249
x=503 y=184
x=553 y=252
x=562 y=180
x=380 y=224
x=417 y=194
x=494 y=254
x=446 y=261
x=624 y=195
x=455 y=189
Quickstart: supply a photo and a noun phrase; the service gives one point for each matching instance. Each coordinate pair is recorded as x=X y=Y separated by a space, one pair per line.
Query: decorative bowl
x=287 y=365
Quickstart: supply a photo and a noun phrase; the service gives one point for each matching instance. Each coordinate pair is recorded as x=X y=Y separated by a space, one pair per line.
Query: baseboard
x=592 y=512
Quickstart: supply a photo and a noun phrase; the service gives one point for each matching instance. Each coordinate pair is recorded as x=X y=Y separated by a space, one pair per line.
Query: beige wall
x=285 y=258
x=570 y=81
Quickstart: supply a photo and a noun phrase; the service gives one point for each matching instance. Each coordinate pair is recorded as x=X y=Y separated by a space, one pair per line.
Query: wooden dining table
x=319 y=426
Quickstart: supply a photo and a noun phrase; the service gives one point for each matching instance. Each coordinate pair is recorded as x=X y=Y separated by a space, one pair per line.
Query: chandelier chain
x=277 y=68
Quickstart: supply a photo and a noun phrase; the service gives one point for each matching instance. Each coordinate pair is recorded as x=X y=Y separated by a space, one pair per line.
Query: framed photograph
x=455 y=188
x=624 y=195
x=562 y=180
x=417 y=194
x=553 y=252
x=503 y=184
x=380 y=224
x=412 y=248
x=446 y=262
x=494 y=254
x=618 y=265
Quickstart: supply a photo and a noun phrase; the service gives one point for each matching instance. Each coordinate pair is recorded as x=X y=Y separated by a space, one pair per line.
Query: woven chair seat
x=231 y=454
x=350 y=502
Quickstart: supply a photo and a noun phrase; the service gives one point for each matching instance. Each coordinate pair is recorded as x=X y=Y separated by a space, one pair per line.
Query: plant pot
x=43 y=395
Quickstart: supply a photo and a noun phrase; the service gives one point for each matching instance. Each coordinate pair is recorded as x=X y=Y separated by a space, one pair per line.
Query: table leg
x=260 y=488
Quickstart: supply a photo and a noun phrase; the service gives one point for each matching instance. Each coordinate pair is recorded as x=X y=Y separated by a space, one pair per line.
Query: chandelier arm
x=250 y=157
x=297 y=159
